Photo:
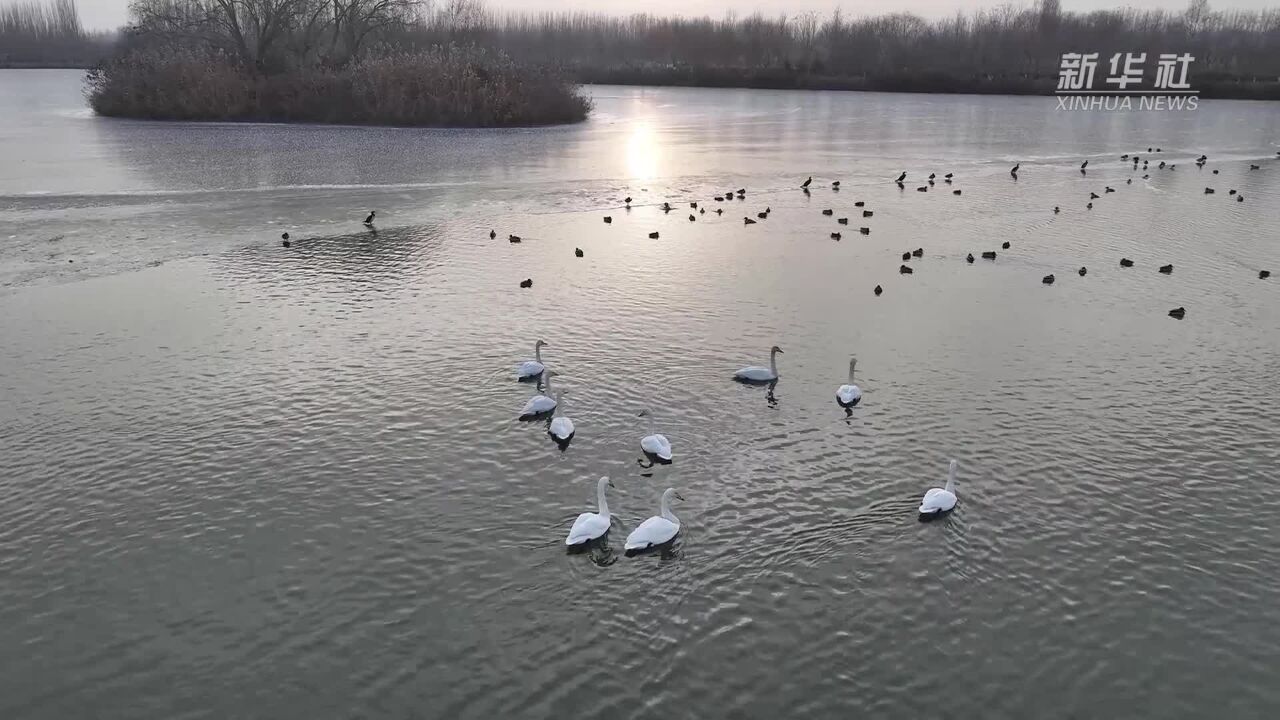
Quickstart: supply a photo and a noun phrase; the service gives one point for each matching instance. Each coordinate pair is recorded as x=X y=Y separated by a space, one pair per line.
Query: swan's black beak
x=612 y=485
x=679 y=496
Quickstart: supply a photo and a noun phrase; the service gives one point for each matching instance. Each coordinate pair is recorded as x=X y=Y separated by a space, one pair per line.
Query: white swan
x=540 y=404
x=530 y=369
x=561 y=427
x=659 y=529
x=754 y=373
x=849 y=395
x=941 y=500
x=590 y=526
x=655 y=444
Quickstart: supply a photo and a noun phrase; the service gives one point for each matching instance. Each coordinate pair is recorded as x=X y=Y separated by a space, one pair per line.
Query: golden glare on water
x=642 y=151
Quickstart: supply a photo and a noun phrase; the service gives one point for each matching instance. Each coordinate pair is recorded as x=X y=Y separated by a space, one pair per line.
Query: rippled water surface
x=239 y=480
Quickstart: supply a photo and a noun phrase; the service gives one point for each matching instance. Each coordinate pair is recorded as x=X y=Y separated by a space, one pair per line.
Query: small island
x=360 y=62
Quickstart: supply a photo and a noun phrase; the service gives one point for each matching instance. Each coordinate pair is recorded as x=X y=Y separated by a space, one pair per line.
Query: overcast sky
x=100 y=14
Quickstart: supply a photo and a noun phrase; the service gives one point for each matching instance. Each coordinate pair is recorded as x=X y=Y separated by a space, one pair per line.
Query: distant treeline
x=1008 y=49
x=1003 y=50
x=34 y=34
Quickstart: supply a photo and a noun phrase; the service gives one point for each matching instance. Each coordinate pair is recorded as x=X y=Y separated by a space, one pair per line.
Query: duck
x=806 y=183
x=989 y=255
x=369 y=220
x=762 y=215
x=1166 y=269
x=1264 y=274
x=627 y=200
x=828 y=212
x=843 y=221
x=1231 y=191
x=860 y=203
x=1047 y=279
x=1178 y=313
x=868 y=213
x=532 y=369
x=932 y=175
x=955 y=192
x=577 y=252
x=1208 y=191
x=904 y=270
x=1126 y=262
x=755 y=373
x=657 y=530
x=1094 y=196
x=864 y=230
x=748 y=221
x=918 y=252
x=906 y=256
x=1108 y=189
x=513 y=238
x=284 y=236
x=948 y=176
x=692 y=217
x=719 y=211
x=561 y=428
x=591 y=526
x=1255 y=167
x=526 y=283
x=693 y=205
x=540 y=404
x=1004 y=245
x=879 y=289
x=849 y=395
x=835 y=185
x=654 y=444
x=1089 y=206
x=836 y=236
x=653 y=235
x=608 y=220
x=666 y=207
x=1056 y=209
x=1084 y=271
x=901 y=177
x=1084 y=164
x=923 y=188
x=969 y=258
x=939 y=501
x=1014 y=171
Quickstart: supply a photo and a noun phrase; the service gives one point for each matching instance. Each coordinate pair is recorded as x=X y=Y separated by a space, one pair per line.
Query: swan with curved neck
x=850 y=394
x=540 y=404
x=532 y=369
x=755 y=373
x=938 y=501
x=561 y=427
x=591 y=526
x=659 y=529
x=655 y=444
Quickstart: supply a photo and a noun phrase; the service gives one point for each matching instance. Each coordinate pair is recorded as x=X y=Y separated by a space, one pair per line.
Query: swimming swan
x=590 y=526
x=849 y=395
x=653 y=443
x=657 y=530
x=754 y=373
x=941 y=500
x=561 y=427
x=531 y=369
x=540 y=404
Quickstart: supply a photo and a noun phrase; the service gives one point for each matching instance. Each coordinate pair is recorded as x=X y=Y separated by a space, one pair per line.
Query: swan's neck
x=951 y=480
x=773 y=362
x=546 y=385
x=537 y=353
x=666 y=511
x=604 y=505
x=851 y=366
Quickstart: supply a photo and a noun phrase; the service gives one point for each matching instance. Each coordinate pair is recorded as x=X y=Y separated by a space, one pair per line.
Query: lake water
x=239 y=480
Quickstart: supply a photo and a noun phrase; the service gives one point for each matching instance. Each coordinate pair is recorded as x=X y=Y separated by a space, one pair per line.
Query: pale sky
x=103 y=14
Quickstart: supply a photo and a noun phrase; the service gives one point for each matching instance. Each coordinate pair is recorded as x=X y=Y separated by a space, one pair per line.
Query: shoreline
x=1265 y=92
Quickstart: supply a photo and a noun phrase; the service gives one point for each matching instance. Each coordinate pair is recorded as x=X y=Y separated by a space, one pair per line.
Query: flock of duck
x=662 y=528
